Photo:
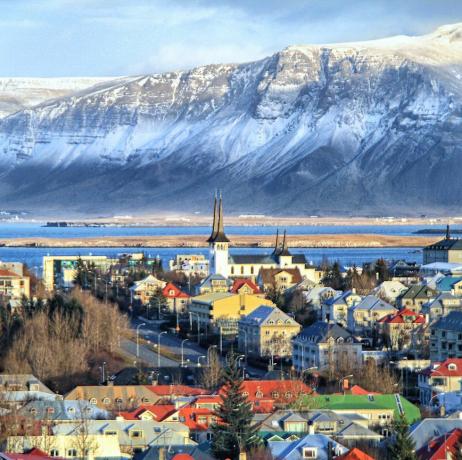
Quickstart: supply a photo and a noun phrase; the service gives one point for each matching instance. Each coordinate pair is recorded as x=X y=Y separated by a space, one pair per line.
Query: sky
x=53 y=38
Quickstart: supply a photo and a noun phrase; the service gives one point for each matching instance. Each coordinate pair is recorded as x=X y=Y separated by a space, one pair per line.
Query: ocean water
x=35 y=230
x=346 y=256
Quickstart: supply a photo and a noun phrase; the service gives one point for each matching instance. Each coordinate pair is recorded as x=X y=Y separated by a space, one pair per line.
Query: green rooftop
x=397 y=403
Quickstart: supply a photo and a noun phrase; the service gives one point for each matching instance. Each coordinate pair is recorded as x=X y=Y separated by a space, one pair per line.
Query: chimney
x=242 y=455
x=310 y=427
x=162 y=453
x=353 y=290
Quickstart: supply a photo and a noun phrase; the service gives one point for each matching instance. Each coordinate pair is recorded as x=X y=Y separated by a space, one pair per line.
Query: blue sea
x=36 y=230
x=346 y=256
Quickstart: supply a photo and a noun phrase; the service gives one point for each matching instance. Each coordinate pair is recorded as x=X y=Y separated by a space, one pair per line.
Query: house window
x=72 y=452
x=136 y=434
x=275 y=394
x=106 y=401
x=242 y=270
x=54 y=453
x=309 y=452
x=288 y=395
x=259 y=394
x=93 y=401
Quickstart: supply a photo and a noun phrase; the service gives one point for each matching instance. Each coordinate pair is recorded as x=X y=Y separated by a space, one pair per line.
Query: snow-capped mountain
x=369 y=127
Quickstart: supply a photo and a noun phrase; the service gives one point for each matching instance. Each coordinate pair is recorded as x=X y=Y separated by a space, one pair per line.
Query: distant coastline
x=199 y=241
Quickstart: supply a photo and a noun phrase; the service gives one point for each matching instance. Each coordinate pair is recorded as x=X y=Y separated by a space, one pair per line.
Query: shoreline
x=244 y=241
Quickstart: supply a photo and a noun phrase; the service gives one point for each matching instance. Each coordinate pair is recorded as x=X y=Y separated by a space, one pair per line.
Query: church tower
x=218 y=242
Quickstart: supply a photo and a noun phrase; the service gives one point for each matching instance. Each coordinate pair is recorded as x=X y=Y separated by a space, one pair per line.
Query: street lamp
x=239 y=358
x=182 y=351
x=158 y=348
x=199 y=360
x=138 y=338
x=343 y=378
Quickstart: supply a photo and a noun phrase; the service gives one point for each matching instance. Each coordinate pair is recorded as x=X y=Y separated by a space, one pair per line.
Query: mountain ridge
x=370 y=128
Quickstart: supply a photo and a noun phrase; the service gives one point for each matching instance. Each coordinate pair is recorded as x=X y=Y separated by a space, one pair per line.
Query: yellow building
x=14 y=285
x=84 y=445
x=267 y=331
x=223 y=310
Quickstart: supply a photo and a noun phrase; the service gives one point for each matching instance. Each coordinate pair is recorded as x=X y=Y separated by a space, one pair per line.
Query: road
x=150 y=331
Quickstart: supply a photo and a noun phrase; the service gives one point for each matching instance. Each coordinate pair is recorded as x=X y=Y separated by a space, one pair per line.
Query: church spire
x=276 y=245
x=285 y=249
x=218 y=231
x=215 y=220
x=448 y=232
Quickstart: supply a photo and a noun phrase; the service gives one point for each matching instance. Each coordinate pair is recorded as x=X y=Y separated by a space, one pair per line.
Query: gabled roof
x=240 y=282
x=445 y=245
x=451 y=367
x=320 y=332
x=33 y=454
x=8 y=274
x=266 y=315
x=283 y=391
x=442 y=447
x=418 y=292
x=451 y=322
x=178 y=293
x=431 y=428
x=267 y=274
x=404 y=316
x=447 y=283
x=372 y=303
x=354 y=454
x=177 y=390
x=159 y=412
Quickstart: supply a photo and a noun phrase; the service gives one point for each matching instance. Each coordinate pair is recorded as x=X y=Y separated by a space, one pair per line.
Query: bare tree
x=212 y=375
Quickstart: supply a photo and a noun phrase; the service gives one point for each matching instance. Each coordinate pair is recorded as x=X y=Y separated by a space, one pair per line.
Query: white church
x=249 y=265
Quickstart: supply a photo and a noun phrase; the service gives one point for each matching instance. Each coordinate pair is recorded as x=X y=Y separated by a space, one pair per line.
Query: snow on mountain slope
x=365 y=127
x=19 y=93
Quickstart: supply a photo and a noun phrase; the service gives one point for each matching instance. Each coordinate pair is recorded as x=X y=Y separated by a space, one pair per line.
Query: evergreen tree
x=233 y=432
x=277 y=297
x=402 y=447
x=381 y=270
x=334 y=278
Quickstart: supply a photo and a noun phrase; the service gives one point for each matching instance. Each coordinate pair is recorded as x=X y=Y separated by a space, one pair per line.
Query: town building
x=279 y=279
x=403 y=330
x=249 y=265
x=144 y=289
x=441 y=306
x=214 y=283
x=177 y=300
x=415 y=297
x=363 y=317
x=14 y=283
x=324 y=345
x=267 y=332
x=451 y=284
x=335 y=309
x=190 y=264
x=379 y=410
x=447 y=250
x=311 y=446
x=446 y=337
x=244 y=286
x=389 y=290
x=221 y=311
x=59 y=271
x=439 y=378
